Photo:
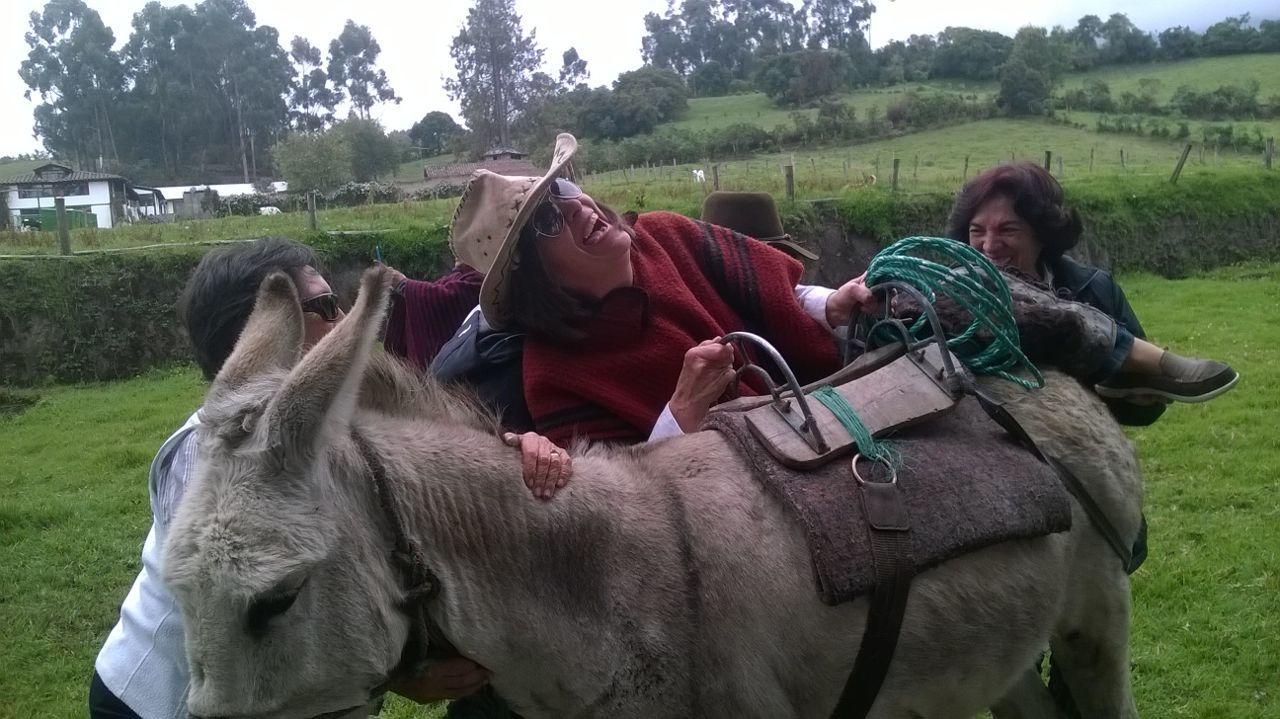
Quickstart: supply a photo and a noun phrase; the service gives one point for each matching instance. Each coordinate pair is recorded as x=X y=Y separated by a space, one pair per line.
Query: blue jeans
x=1119 y=353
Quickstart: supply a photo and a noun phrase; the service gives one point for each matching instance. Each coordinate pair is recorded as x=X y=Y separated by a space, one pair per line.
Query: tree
x=1028 y=77
x=969 y=53
x=837 y=24
x=353 y=58
x=434 y=132
x=372 y=152
x=316 y=161
x=1231 y=36
x=573 y=70
x=710 y=80
x=800 y=77
x=1125 y=43
x=663 y=89
x=312 y=100
x=1179 y=43
x=79 y=78
x=494 y=62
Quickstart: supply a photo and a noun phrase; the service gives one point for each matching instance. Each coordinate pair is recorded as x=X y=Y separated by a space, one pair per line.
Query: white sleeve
x=666 y=426
x=813 y=298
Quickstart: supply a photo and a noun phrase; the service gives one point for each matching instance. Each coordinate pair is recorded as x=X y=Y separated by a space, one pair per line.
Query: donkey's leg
x=1092 y=645
x=1028 y=698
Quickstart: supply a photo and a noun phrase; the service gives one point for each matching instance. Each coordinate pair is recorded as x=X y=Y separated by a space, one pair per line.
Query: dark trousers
x=105 y=705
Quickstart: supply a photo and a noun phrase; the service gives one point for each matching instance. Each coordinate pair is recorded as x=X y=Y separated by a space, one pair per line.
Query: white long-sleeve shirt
x=812 y=298
x=144 y=661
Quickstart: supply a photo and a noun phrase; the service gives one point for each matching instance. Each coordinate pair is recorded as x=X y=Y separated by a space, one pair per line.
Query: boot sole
x=1114 y=393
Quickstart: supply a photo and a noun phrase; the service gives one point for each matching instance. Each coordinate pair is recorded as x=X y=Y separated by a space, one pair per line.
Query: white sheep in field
x=699 y=176
x=268 y=210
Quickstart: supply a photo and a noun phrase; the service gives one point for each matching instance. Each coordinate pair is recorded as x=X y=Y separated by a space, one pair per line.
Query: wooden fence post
x=915 y=170
x=64 y=234
x=715 y=176
x=896 y=161
x=789 y=172
x=1060 y=165
x=1271 y=151
x=965 y=176
x=1091 y=151
x=1122 y=158
x=311 y=210
x=1048 y=160
x=1173 y=180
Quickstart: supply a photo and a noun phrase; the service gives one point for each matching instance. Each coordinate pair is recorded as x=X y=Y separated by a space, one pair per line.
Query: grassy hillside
x=1203 y=74
x=9 y=168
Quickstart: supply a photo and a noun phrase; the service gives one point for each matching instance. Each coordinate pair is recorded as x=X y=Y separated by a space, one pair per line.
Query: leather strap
x=996 y=411
x=426 y=640
x=889 y=528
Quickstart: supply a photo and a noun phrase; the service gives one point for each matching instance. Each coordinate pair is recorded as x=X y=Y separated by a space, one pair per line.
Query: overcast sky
x=415 y=36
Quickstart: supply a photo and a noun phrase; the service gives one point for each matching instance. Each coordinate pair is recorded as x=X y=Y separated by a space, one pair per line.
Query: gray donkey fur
x=661 y=582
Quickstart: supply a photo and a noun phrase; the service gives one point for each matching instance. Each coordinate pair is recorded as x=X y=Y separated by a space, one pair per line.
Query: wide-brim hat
x=754 y=214
x=486 y=227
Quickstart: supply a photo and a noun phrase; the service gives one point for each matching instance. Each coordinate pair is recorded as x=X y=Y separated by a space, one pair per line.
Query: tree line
x=196 y=90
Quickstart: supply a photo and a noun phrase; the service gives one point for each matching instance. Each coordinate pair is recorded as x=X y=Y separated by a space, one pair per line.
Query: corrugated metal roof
x=30 y=178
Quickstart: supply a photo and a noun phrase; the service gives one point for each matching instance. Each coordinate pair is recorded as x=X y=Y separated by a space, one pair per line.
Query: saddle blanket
x=966 y=483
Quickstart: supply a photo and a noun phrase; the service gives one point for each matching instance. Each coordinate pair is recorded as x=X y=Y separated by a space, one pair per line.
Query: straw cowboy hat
x=753 y=214
x=486 y=227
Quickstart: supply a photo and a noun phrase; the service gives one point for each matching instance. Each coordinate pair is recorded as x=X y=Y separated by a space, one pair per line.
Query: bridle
x=426 y=641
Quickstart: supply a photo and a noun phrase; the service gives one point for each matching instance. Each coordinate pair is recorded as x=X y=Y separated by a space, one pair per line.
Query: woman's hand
x=852 y=295
x=546 y=466
x=452 y=678
x=707 y=372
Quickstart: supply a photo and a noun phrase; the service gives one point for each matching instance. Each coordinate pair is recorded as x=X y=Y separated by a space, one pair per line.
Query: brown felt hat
x=753 y=214
x=486 y=227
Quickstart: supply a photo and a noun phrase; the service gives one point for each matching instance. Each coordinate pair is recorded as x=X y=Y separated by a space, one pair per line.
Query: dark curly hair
x=1037 y=198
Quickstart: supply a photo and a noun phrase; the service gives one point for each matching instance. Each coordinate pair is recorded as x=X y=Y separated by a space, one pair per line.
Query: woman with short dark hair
x=1018 y=217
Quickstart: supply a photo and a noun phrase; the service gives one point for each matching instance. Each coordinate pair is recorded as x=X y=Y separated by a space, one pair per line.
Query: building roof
x=53 y=173
x=504 y=150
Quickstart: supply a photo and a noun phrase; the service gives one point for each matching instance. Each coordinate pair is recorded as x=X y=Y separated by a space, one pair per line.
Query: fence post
x=789 y=172
x=1122 y=158
x=965 y=176
x=1173 y=180
x=915 y=170
x=715 y=177
x=311 y=210
x=64 y=234
x=896 y=162
x=1091 y=151
x=1271 y=151
x=1060 y=173
x=1048 y=160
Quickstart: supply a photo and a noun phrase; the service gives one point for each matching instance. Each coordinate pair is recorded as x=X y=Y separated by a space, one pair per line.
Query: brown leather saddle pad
x=967 y=485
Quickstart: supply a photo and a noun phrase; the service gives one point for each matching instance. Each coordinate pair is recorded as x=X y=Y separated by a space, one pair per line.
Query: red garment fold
x=696 y=282
x=427 y=313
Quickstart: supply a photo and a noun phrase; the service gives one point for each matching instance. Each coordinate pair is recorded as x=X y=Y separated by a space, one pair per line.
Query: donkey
x=663 y=581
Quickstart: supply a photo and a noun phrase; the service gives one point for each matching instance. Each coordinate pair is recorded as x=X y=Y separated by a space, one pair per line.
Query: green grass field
x=1202 y=74
x=1206 y=603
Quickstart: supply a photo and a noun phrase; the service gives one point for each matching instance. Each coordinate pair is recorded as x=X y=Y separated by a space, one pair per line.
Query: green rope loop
x=935 y=266
x=867 y=445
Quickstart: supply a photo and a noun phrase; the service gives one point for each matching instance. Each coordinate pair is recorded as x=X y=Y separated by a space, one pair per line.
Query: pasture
x=1206 y=603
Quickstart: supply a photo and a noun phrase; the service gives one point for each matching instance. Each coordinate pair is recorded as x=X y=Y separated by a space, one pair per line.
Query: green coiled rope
x=937 y=266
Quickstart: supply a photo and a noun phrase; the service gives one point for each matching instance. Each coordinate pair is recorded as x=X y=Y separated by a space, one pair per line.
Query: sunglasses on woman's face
x=547 y=220
x=325 y=305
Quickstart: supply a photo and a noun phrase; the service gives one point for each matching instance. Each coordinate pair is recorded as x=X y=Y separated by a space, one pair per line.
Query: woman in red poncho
x=621 y=320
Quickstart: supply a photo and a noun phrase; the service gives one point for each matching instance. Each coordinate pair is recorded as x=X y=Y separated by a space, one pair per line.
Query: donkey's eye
x=263 y=609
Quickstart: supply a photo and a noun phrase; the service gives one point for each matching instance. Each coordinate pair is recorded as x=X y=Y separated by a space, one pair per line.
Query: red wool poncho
x=692 y=282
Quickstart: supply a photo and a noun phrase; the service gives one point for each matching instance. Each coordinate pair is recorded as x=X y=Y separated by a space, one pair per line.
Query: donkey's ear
x=320 y=393
x=271 y=339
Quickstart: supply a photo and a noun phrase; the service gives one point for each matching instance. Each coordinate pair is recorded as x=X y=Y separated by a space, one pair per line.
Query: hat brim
x=785 y=243
x=497 y=281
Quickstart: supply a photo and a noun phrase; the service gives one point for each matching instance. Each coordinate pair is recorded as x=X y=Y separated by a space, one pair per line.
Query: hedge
x=105 y=316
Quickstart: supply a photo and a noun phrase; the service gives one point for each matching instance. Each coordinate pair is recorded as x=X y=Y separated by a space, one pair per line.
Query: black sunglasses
x=325 y=305
x=547 y=219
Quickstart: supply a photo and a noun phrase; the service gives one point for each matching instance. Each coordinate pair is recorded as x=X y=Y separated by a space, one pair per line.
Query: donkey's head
x=279 y=565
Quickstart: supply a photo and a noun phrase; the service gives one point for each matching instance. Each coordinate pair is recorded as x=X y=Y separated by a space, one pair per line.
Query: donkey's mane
x=392 y=387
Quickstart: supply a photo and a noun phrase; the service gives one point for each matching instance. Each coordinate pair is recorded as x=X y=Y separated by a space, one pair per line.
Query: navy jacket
x=1095 y=287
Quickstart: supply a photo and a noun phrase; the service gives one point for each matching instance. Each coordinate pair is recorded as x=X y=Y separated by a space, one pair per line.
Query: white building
x=97 y=199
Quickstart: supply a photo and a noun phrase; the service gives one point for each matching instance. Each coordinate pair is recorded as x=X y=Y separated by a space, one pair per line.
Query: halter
x=425 y=641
